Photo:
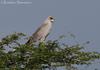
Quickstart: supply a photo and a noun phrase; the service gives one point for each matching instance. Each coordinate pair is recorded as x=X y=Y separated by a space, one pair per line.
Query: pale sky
x=80 y=17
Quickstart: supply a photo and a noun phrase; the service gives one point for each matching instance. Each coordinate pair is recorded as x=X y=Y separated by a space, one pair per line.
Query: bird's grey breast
x=42 y=31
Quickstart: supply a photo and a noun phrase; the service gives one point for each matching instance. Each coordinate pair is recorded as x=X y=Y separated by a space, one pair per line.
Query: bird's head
x=51 y=19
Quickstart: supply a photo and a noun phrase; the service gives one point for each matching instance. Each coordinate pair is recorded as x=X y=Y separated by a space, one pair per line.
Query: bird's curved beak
x=52 y=20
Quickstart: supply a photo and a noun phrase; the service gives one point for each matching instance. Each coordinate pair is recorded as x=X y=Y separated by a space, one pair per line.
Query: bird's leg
x=46 y=36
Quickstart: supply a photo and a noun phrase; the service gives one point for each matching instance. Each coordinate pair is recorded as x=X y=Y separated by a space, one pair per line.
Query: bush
x=42 y=55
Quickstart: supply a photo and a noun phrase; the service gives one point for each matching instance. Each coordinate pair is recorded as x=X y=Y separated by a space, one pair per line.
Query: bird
x=42 y=32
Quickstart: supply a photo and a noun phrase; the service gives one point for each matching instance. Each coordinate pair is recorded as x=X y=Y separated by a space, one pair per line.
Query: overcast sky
x=80 y=17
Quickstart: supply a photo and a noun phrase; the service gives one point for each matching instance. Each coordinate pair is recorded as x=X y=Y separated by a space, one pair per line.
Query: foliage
x=43 y=54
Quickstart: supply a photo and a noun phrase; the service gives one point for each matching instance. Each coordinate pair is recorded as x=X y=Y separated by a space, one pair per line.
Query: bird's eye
x=51 y=18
